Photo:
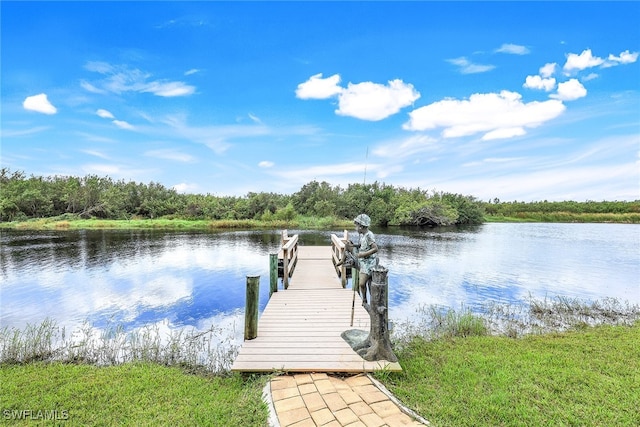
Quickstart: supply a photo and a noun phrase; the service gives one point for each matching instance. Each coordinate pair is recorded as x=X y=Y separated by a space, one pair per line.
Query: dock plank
x=300 y=328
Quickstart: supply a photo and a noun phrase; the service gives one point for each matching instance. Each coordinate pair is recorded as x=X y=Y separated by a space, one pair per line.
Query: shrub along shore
x=68 y=198
x=553 y=362
x=299 y=222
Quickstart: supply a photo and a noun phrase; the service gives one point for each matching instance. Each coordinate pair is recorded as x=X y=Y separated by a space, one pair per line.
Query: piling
x=273 y=274
x=251 y=308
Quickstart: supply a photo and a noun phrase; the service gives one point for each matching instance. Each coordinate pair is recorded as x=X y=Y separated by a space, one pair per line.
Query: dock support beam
x=273 y=274
x=251 y=308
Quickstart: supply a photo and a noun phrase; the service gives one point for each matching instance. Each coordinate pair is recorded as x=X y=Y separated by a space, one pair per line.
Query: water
x=197 y=279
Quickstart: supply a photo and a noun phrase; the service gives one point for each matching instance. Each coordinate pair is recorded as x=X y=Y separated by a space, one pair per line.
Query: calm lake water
x=197 y=279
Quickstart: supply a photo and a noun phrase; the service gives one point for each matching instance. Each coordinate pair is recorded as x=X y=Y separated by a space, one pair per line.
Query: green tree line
x=517 y=209
x=25 y=197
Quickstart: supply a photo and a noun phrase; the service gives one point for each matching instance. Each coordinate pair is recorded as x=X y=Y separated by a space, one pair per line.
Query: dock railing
x=289 y=256
x=338 y=247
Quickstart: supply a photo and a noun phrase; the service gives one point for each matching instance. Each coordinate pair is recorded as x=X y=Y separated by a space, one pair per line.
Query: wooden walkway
x=299 y=330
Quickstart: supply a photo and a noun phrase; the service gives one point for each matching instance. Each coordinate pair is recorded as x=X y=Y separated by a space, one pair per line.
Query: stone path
x=330 y=401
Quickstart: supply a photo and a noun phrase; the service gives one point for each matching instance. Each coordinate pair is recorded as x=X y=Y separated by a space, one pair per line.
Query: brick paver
x=321 y=400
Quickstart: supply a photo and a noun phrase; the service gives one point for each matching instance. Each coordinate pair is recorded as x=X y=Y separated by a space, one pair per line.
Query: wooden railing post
x=273 y=274
x=290 y=258
x=251 y=308
x=337 y=249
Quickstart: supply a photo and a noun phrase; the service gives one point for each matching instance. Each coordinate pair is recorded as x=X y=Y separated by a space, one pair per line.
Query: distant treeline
x=23 y=198
x=567 y=211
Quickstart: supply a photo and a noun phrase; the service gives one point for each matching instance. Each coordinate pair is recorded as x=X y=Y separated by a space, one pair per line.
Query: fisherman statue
x=364 y=256
x=375 y=345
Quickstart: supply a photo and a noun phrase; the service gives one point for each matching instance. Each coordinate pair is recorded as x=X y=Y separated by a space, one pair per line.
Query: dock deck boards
x=299 y=330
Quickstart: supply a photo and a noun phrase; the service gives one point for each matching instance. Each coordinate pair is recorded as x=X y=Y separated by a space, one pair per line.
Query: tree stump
x=377 y=345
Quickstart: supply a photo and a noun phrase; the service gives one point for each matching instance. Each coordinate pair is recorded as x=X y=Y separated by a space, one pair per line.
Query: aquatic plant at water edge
x=208 y=350
x=537 y=316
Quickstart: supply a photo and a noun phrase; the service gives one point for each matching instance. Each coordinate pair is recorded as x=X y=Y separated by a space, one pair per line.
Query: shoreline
x=310 y=223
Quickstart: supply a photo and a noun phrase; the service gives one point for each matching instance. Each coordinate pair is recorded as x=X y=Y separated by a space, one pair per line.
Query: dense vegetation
x=68 y=197
x=91 y=196
x=567 y=211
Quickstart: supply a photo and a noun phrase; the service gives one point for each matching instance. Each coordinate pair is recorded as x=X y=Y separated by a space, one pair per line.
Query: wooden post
x=285 y=267
x=355 y=284
x=290 y=258
x=251 y=308
x=273 y=274
x=343 y=275
x=355 y=279
x=377 y=346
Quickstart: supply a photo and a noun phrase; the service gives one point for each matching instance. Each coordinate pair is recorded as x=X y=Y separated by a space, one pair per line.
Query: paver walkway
x=312 y=400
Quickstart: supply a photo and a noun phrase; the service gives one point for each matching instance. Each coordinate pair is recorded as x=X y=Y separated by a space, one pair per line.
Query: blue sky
x=511 y=100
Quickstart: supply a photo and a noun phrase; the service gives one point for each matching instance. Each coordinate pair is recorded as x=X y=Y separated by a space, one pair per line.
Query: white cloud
x=493 y=114
x=255 y=118
x=570 y=91
x=169 y=154
x=191 y=71
x=318 y=88
x=537 y=82
x=407 y=147
x=96 y=154
x=624 y=58
x=168 y=89
x=365 y=101
x=324 y=172
x=91 y=88
x=373 y=101
x=581 y=62
x=102 y=169
x=121 y=79
x=11 y=133
x=602 y=170
x=99 y=67
x=40 y=104
x=579 y=182
x=123 y=125
x=185 y=188
x=266 y=164
x=215 y=137
x=116 y=171
x=548 y=70
x=467 y=67
x=504 y=133
x=513 y=49
x=105 y=114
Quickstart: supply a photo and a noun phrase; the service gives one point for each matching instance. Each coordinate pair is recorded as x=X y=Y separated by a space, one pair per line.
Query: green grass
x=623 y=218
x=131 y=394
x=505 y=367
x=174 y=224
x=589 y=377
x=579 y=378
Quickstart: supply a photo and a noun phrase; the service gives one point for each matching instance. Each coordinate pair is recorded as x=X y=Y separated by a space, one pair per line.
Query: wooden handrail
x=338 y=247
x=289 y=256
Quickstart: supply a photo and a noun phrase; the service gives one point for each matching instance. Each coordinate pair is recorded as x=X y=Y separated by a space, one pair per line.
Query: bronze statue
x=364 y=256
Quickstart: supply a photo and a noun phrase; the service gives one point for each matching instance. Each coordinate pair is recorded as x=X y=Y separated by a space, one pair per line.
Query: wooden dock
x=300 y=329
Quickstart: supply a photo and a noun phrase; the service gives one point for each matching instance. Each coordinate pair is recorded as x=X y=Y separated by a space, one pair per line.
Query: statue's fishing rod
x=355 y=285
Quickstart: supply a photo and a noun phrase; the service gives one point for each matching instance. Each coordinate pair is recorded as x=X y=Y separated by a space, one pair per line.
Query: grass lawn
x=584 y=378
x=300 y=222
x=130 y=394
x=587 y=377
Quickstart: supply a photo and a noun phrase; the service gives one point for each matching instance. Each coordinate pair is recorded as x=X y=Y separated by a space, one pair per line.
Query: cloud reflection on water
x=136 y=278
